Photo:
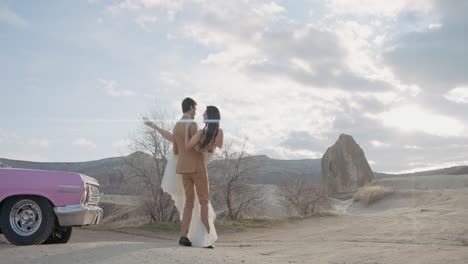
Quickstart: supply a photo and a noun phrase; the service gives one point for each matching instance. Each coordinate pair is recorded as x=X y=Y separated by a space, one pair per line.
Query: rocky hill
x=345 y=167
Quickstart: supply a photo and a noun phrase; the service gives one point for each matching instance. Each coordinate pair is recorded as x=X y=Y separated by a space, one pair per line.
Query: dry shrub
x=305 y=198
x=368 y=195
x=232 y=189
x=146 y=169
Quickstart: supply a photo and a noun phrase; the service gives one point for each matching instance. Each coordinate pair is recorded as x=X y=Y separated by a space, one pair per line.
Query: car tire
x=27 y=220
x=60 y=235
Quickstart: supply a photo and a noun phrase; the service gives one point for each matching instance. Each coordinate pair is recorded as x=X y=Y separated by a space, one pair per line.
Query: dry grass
x=368 y=195
x=222 y=226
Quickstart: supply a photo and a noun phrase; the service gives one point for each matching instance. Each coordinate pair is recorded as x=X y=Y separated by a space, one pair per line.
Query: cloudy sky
x=76 y=76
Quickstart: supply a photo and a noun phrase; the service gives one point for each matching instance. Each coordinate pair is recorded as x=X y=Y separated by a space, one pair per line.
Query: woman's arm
x=219 y=139
x=190 y=142
x=164 y=133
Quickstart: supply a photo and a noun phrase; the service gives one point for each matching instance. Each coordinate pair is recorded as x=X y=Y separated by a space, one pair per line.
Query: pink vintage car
x=42 y=206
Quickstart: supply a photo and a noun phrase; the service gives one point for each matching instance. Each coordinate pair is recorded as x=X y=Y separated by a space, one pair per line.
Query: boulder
x=344 y=167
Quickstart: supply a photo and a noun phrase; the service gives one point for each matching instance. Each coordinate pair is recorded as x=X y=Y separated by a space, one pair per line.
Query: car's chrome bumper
x=78 y=215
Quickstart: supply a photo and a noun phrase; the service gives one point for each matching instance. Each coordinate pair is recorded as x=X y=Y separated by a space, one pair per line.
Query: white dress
x=172 y=184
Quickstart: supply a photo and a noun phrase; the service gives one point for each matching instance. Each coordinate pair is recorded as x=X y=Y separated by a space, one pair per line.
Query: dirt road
x=426 y=225
x=341 y=239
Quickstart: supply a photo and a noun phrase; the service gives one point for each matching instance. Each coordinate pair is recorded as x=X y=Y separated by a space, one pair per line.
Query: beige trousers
x=199 y=180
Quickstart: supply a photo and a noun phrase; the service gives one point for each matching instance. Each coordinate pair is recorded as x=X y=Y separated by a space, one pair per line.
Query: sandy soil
x=410 y=226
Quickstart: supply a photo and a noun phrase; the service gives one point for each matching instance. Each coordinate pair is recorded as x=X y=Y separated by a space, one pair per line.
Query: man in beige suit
x=191 y=165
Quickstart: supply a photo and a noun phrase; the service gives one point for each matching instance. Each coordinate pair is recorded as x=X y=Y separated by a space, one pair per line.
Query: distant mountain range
x=457 y=170
x=112 y=172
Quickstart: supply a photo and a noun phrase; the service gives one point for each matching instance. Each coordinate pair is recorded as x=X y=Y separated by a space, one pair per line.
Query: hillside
x=113 y=172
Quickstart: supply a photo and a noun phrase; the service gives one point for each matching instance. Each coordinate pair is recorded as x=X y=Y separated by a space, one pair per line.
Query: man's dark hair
x=187 y=103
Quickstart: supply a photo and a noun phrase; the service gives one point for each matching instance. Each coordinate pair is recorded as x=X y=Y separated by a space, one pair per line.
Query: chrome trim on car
x=69 y=188
x=93 y=195
x=78 y=215
x=90 y=180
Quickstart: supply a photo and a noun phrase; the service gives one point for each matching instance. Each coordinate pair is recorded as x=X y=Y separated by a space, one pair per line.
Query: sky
x=288 y=76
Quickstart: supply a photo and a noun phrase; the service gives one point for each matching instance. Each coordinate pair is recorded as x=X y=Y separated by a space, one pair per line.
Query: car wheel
x=27 y=220
x=60 y=235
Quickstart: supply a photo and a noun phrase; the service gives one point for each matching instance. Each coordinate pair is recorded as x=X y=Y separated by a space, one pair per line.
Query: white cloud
x=233 y=29
x=8 y=137
x=414 y=147
x=169 y=78
x=206 y=36
x=288 y=154
x=274 y=75
x=125 y=5
x=458 y=95
x=379 y=144
x=11 y=138
x=379 y=40
x=85 y=143
x=10 y=17
x=40 y=142
x=302 y=104
x=435 y=26
x=364 y=44
x=433 y=58
x=122 y=143
x=269 y=9
x=378 y=8
x=410 y=118
x=146 y=22
x=302 y=140
x=302 y=65
x=171 y=7
x=111 y=88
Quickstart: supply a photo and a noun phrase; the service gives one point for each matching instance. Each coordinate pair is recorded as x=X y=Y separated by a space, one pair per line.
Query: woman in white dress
x=206 y=140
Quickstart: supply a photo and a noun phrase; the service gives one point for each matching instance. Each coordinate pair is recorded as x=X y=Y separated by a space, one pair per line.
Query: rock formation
x=345 y=167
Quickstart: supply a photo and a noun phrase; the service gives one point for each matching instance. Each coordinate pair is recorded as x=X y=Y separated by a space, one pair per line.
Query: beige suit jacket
x=189 y=161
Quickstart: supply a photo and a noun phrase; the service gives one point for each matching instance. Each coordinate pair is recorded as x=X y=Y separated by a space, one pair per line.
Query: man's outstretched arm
x=164 y=133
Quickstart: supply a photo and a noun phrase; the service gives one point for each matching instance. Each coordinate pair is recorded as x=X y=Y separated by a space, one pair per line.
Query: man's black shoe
x=210 y=247
x=183 y=241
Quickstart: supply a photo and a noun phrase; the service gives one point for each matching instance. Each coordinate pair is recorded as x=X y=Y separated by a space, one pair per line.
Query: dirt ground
x=419 y=225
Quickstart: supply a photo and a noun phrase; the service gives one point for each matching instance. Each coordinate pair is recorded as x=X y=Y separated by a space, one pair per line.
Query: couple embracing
x=186 y=174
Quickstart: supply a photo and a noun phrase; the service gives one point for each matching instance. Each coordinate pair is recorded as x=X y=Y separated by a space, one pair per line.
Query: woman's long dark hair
x=211 y=128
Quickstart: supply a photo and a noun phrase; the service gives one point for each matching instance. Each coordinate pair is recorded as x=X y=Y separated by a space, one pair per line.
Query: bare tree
x=147 y=165
x=305 y=198
x=232 y=188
